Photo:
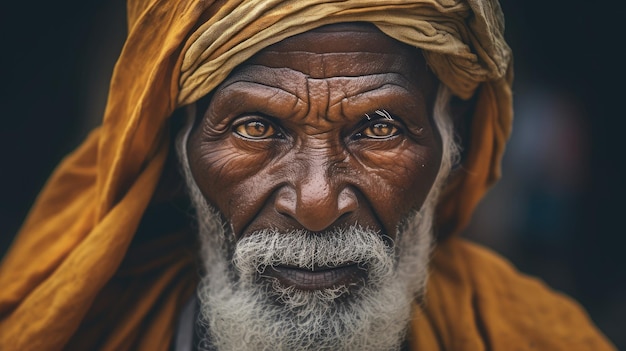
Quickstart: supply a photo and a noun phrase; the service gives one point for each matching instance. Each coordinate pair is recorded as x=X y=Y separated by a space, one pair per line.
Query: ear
x=462 y=113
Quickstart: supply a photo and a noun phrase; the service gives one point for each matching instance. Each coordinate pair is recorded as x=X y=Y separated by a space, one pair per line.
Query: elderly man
x=317 y=144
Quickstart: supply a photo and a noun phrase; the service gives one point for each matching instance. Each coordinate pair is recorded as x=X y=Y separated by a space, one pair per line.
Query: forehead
x=343 y=50
x=337 y=73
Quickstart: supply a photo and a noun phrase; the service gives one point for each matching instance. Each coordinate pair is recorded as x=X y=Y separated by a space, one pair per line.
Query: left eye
x=255 y=130
x=380 y=130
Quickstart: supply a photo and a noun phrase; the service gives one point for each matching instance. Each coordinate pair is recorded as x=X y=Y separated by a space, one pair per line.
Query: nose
x=315 y=200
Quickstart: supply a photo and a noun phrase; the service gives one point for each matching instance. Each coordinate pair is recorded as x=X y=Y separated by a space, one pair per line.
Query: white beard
x=242 y=313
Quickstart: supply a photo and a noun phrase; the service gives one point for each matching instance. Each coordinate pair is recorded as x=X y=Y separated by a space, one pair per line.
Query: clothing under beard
x=243 y=312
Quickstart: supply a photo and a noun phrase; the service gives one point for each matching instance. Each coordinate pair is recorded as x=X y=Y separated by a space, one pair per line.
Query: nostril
x=315 y=209
x=286 y=202
x=347 y=201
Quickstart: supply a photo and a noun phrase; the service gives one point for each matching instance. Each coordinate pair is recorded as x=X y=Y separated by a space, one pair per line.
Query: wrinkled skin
x=292 y=139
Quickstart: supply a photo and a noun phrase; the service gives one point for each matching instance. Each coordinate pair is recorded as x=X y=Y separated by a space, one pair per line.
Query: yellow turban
x=82 y=273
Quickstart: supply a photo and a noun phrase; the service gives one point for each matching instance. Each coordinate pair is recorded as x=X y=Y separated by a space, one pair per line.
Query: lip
x=317 y=278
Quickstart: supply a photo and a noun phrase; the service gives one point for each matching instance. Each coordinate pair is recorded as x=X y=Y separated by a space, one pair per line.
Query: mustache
x=308 y=250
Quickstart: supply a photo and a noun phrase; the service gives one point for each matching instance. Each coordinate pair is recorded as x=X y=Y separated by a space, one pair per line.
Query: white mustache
x=306 y=250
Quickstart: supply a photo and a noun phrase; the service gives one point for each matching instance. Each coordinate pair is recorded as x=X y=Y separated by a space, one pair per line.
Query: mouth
x=317 y=278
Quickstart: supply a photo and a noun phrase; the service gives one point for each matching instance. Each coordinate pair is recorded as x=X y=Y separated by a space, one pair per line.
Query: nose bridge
x=314 y=185
x=317 y=197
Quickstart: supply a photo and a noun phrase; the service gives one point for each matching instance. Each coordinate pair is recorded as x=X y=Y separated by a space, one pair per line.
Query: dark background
x=557 y=213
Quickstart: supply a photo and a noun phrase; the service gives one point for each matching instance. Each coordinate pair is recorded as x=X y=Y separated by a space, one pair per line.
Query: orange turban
x=82 y=274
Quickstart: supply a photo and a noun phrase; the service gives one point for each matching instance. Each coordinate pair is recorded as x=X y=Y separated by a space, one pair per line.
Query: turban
x=104 y=260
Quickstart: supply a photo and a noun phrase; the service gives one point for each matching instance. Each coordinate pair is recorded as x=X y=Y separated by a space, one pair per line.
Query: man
x=315 y=168
x=317 y=144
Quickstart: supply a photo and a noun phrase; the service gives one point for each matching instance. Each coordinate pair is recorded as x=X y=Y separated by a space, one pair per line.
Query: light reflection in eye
x=379 y=128
x=255 y=129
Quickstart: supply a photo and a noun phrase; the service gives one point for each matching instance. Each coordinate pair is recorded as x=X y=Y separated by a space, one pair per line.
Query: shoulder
x=480 y=293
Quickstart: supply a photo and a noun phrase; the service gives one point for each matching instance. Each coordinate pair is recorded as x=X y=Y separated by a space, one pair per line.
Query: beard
x=245 y=310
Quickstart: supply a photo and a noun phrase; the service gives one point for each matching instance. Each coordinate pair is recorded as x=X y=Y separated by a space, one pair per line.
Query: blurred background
x=557 y=213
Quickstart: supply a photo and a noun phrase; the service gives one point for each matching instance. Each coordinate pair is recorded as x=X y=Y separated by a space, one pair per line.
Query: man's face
x=323 y=130
x=324 y=137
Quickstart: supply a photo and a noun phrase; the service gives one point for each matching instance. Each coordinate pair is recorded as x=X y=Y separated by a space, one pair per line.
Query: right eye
x=256 y=129
x=380 y=130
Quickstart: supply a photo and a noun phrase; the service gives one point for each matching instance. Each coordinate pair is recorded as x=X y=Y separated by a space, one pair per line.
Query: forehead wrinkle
x=320 y=88
x=341 y=64
x=378 y=82
x=394 y=97
x=243 y=88
x=283 y=78
x=244 y=91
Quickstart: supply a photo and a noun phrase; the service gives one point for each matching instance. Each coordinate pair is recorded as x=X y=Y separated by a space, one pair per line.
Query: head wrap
x=73 y=278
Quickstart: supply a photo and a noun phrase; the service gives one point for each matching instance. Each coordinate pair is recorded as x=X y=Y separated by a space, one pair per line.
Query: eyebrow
x=383 y=113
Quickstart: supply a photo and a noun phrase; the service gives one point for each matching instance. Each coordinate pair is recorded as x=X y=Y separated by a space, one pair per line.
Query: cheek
x=399 y=180
x=226 y=174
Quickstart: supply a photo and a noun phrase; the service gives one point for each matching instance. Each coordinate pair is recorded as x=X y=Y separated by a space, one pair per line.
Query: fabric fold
x=80 y=276
x=496 y=307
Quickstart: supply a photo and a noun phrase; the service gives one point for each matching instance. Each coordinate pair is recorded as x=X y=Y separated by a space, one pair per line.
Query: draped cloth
x=82 y=273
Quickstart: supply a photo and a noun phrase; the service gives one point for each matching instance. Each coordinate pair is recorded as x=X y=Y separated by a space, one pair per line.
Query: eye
x=256 y=129
x=380 y=130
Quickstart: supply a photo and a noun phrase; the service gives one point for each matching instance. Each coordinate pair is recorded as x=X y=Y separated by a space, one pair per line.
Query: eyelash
x=242 y=122
x=382 y=117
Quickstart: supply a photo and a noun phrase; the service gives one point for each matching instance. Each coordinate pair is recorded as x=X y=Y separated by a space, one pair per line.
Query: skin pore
x=309 y=171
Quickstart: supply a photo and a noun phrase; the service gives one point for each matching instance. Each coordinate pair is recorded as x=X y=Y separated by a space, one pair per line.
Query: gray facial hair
x=243 y=315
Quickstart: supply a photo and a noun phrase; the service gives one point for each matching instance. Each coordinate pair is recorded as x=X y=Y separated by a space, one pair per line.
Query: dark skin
x=326 y=129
